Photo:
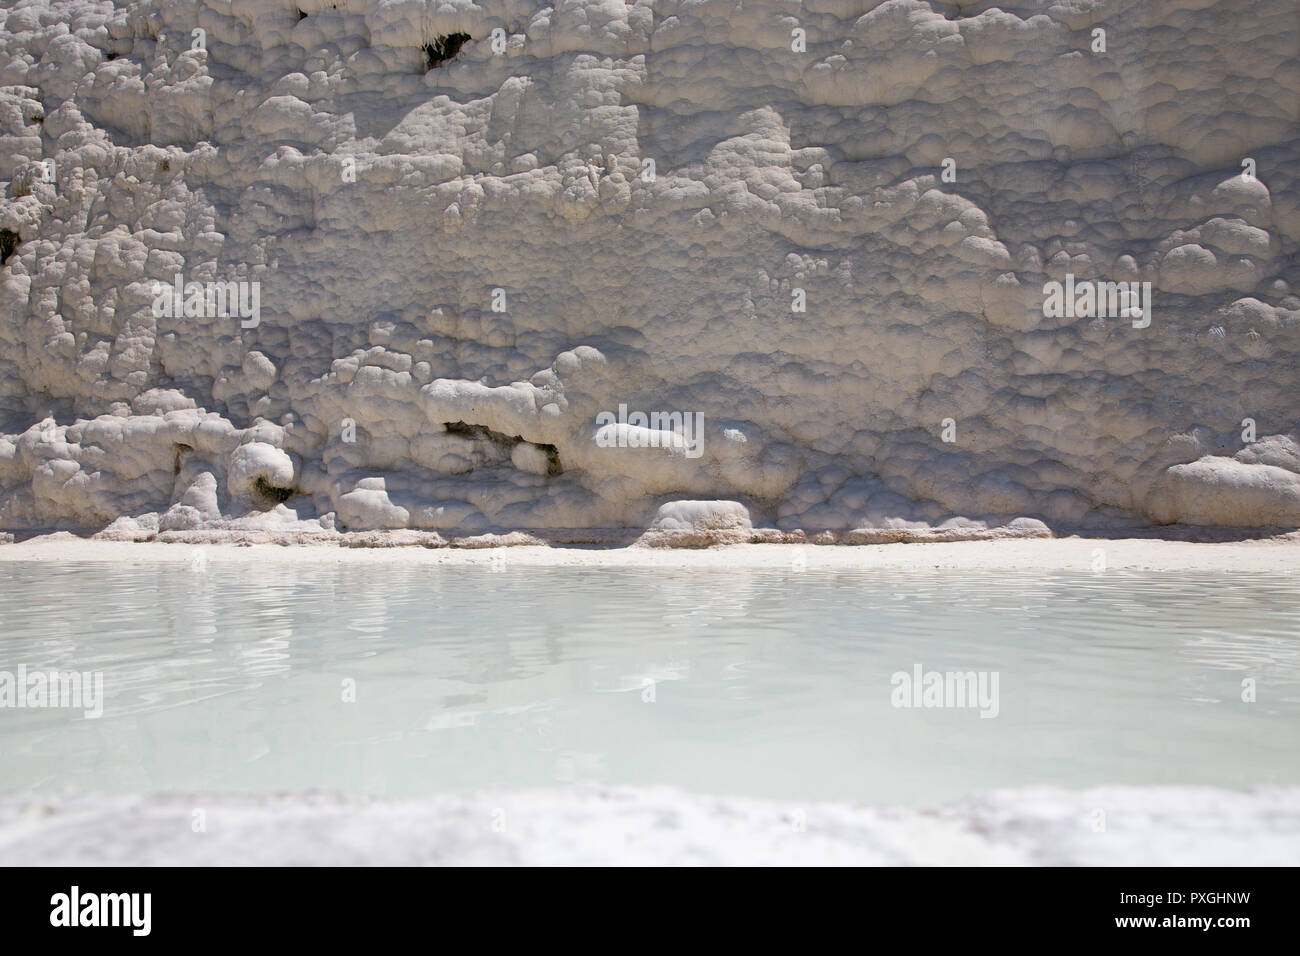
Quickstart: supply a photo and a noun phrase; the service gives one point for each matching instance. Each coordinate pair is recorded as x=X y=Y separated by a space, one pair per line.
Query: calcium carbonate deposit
x=1159 y=826
x=720 y=269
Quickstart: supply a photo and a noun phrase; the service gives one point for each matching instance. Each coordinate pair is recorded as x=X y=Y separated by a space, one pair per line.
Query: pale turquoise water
x=765 y=683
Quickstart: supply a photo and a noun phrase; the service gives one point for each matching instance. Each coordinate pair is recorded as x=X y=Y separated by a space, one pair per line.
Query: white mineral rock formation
x=475 y=267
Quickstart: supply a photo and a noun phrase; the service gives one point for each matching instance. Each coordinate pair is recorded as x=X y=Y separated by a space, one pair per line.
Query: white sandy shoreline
x=1275 y=555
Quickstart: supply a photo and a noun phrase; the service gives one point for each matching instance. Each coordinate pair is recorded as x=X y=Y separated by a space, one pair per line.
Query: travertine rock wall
x=824 y=227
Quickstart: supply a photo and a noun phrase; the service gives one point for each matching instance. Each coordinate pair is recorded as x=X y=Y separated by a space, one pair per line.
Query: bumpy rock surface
x=477 y=229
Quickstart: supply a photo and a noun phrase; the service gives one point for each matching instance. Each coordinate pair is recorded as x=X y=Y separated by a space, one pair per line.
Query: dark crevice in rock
x=480 y=433
x=271 y=494
x=483 y=433
x=442 y=49
x=553 y=466
x=8 y=243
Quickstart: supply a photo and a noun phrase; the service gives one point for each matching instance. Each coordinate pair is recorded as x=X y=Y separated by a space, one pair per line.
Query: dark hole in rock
x=483 y=433
x=442 y=49
x=271 y=493
x=8 y=243
x=480 y=432
x=181 y=451
x=111 y=56
x=165 y=166
x=301 y=15
x=553 y=466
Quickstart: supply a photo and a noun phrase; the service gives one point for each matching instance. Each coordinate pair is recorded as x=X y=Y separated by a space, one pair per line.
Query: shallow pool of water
x=777 y=684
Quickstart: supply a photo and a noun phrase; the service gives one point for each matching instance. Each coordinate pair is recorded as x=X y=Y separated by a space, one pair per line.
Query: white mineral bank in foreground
x=1155 y=826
